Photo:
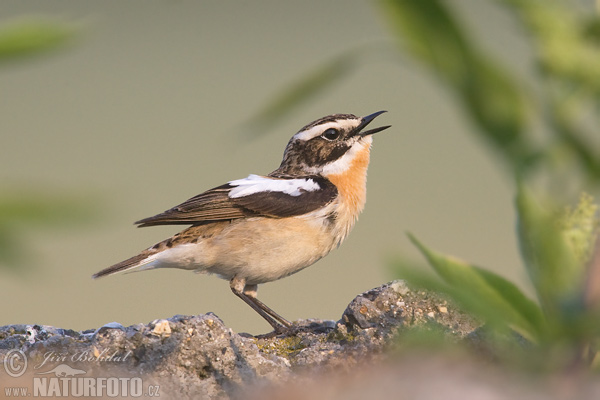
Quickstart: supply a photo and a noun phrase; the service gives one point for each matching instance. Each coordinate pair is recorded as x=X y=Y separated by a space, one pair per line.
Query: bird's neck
x=351 y=183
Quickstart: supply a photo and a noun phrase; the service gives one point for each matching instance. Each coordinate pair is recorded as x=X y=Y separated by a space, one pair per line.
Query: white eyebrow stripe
x=319 y=129
x=256 y=184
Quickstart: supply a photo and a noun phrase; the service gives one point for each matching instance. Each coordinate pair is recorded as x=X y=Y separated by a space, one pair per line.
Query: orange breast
x=352 y=183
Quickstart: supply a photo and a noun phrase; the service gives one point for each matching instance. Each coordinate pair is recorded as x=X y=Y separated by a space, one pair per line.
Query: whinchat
x=263 y=228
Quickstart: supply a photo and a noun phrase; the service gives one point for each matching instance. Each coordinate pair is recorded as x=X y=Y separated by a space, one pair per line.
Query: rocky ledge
x=198 y=356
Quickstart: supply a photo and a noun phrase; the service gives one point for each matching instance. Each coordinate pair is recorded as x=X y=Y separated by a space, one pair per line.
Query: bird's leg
x=248 y=294
x=250 y=291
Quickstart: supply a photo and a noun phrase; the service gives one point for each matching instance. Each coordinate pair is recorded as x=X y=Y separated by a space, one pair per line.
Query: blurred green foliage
x=32 y=36
x=25 y=209
x=489 y=93
x=559 y=247
x=556 y=247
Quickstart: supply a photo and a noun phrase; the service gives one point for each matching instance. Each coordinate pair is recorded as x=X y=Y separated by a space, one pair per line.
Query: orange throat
x=352 y=183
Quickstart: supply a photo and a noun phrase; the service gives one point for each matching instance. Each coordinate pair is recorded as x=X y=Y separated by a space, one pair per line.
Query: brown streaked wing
x=210 y=206
x=215 y=205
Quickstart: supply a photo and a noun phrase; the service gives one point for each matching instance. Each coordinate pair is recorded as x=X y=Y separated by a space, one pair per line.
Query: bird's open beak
x=366 y=121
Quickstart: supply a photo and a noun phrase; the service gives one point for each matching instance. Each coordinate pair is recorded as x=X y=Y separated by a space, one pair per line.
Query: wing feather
x=217 y=205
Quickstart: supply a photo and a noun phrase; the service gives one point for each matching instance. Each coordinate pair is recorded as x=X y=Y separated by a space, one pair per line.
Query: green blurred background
x=150 y=105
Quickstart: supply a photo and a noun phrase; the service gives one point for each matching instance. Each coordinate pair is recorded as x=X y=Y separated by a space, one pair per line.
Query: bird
x=263 y=228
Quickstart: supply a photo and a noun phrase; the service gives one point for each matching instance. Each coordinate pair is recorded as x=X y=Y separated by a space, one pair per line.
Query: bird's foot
x=279 y=331
x=315 y=327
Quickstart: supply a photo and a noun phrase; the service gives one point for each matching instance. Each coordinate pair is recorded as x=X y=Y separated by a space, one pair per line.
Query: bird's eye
x=331 y=134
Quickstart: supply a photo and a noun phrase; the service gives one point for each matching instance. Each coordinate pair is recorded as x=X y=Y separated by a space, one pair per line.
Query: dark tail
x=130 y=264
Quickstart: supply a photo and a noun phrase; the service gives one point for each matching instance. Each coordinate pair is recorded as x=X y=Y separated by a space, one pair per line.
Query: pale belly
x=259 y=250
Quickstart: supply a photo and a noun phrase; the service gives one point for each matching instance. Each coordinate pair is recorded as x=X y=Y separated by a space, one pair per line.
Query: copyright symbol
x=15 y=363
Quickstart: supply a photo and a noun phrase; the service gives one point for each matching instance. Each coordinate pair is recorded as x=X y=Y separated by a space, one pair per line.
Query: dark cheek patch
x=318 y=152
x=336 y=153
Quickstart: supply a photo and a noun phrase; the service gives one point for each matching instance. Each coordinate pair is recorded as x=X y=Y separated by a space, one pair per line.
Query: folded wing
x=254 y=196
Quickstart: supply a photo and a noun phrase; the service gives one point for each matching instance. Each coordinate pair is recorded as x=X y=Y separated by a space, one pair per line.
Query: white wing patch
x=256 y=184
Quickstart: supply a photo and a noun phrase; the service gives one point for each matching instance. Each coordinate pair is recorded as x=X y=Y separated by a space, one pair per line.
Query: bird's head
x=328 y=145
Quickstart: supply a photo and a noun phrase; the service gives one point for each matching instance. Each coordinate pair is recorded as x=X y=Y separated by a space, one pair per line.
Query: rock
x=192 y=356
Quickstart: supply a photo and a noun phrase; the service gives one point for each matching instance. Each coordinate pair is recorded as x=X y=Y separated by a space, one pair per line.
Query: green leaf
x=565 y=118
x=489 y=94
x=430 y=33
x=566 y=41
x=579 y=227
x=551 y=263
x=487 y=295
x=32 y=36
x=305 y=89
